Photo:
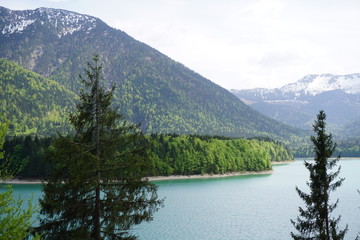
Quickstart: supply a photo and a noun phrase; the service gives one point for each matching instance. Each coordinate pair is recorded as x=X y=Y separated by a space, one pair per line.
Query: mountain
x=298 y=103
x=32 y=103
x=152 y=89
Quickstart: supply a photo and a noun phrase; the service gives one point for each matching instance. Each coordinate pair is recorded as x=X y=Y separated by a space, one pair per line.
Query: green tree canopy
x=97 y=189
x=15 y=221
x=315 y=221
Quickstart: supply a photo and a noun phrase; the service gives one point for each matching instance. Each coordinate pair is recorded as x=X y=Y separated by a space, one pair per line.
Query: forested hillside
x=31 y=103
x=152 y=89
x=169 y=155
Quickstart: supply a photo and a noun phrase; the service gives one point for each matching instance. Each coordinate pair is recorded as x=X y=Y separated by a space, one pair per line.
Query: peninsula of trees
x=169 y=154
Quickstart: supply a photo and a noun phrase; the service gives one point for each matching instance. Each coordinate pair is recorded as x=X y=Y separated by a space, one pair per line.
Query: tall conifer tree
x=97 y=189
x=315 y=221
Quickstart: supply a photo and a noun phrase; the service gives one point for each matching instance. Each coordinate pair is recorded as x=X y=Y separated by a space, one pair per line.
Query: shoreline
x=157 y=178
x=165 y=178
x=282 y=162
x=204 y=176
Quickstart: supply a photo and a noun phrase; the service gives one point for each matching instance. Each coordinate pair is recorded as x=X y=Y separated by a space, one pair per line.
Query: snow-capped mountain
x=151 y=89
x=65 y=22
x=316 y=84
x=309 y=86
x=298 y=103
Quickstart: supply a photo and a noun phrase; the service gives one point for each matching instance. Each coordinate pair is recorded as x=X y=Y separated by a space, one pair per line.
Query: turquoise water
x=241 y=207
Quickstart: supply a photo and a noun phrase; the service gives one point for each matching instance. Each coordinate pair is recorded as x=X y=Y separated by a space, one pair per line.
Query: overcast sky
x=236 y=43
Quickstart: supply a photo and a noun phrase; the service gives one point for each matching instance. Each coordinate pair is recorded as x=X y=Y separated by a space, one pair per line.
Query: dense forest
x=169 y=155
x=33 y=104
x=185 y=155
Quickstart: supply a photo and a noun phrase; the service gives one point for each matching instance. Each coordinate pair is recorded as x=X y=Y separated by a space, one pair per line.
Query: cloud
x=279 y=58
x=265 y=7
x=54 y=1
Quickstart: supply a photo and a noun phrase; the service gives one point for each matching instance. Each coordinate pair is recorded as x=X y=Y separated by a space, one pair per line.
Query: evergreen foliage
x=15 y=222
x=27 y=156
x=97 y=189
x=315 y=221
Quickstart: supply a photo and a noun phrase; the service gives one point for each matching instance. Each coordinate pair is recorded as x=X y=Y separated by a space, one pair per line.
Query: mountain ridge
x=312 y=84
x=297 y=103
x=152 y=89
x=24 y=19
x=315 y=84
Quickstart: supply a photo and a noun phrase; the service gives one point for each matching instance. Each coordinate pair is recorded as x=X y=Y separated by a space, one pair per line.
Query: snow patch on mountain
x=304 y=89
x=316 y=84
x=286 y=101
x=65 y=22
x=297 y=103
x=17 y=27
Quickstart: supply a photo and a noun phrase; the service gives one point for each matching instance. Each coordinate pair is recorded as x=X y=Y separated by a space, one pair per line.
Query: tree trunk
x=97 y=215
x=327 y=221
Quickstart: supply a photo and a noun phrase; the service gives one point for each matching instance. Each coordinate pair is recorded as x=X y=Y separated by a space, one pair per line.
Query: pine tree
x=315 y=221
x=97 y=189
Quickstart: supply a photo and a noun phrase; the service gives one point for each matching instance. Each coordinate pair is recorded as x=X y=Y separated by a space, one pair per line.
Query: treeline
x=27 y=156
x=185 y=155
x=169 y=155
x=348 y=147
x=344 y=148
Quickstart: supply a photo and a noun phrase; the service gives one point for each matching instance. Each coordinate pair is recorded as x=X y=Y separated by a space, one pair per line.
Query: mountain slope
x=297 y=103
x=32 y=103
x=162 y=94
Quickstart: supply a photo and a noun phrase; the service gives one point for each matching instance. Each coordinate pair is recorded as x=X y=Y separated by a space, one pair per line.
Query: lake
x=239 y=207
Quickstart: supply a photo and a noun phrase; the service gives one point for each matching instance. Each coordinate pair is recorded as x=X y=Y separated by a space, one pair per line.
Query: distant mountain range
x=297 y=103
x=152 y=89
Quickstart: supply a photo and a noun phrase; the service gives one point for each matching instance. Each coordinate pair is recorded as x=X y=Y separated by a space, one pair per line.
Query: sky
x=238 y=44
